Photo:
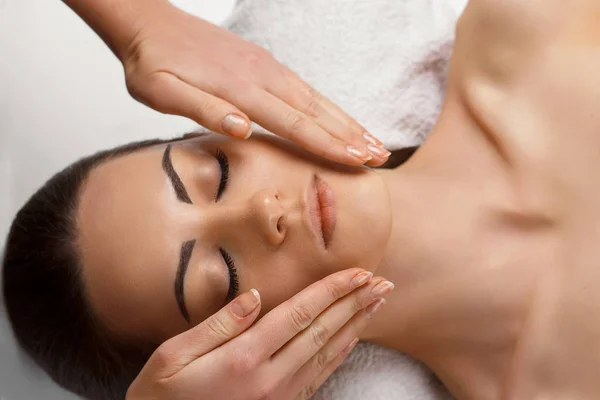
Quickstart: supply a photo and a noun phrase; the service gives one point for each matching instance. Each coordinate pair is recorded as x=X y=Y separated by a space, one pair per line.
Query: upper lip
x=320 y=210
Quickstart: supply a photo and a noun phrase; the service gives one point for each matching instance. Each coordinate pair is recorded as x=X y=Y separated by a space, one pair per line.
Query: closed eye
x=224 y=166
x=233 y=278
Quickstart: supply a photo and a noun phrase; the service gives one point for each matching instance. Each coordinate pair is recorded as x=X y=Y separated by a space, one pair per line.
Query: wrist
x=118 y=22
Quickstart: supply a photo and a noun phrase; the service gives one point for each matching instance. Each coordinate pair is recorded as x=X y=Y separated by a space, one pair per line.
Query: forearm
x=117 y=21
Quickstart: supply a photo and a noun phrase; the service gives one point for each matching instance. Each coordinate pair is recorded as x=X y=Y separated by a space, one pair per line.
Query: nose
x=268 y=215
x=261 y=216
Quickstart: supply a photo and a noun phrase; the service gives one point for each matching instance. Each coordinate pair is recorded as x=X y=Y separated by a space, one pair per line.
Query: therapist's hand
x=286 y=355
x=179 y=64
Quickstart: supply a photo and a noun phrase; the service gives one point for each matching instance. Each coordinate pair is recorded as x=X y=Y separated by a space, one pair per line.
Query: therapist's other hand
x=286 y=355
x=179 y=64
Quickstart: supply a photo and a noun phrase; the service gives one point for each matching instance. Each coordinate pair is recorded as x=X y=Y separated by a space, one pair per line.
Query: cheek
x=280 y=276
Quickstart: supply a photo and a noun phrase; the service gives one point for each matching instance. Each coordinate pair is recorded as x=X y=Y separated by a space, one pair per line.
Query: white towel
x=385 y=63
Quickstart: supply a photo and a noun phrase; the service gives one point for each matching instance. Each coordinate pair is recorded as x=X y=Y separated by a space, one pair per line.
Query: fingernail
x=361 y=278
x=378 y=151
x=372 y=139
x=246 y=303
x=382 y=288
x=235 y=125
x=351 y=346
x=361 y=154
x=373 y=308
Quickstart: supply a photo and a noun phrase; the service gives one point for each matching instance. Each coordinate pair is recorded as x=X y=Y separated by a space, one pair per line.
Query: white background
x=62 y=96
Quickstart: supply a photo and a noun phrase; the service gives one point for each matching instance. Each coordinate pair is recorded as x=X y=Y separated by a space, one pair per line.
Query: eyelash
x=233 y=277
x=224 y=165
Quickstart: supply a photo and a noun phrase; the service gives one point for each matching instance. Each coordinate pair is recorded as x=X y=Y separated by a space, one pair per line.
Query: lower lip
x=324 y=219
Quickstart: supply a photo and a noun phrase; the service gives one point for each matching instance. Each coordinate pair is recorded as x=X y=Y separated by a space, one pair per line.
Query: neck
x=411 y=261
x=456 y=306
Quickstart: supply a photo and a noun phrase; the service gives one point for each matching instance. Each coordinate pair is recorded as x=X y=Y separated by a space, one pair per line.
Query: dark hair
x=45 y=298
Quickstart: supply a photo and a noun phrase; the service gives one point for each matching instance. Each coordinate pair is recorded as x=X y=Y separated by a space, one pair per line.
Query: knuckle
x=203 y=109
x=320 y=361
x=358 y=302
x=257 y=61
x=309 y=391
x=254 y=58
x=254 y=63
x=296 y=123
x=217 y=328
x=265 y=391
x=320 y=334
x=333 y=288
x=314 y=106
x=301 y=316
x=315 y=95
x=331 y=144
x=362 y=298
x=243 y=364
x=163 y=356
x=332 y=141
x=313 y=109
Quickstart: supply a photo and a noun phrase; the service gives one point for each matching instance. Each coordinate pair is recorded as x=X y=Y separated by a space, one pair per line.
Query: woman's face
x=169 y=234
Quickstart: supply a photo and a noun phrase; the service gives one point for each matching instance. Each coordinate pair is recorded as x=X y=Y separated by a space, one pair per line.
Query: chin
x=364 y=222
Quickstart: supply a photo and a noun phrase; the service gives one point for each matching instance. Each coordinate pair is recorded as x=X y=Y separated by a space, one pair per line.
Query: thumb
x=219 y=328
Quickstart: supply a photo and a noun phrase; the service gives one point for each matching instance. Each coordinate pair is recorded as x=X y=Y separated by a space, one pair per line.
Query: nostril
x=277 y=196
x=280 y=224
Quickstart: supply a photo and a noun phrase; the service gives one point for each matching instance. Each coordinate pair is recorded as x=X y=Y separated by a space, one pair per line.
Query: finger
x=292 y=316
x=168 y=94
x=315 y=372
x=380 y=155
x=294 y=125
x=301 y=96
x=308 y=391
x=278 y=117
x=314 y=338
x=219 y=328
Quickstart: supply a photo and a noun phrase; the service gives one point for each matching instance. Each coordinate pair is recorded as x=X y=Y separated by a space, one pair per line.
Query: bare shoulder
x=521 y=66
x=501 y=37
x=526 y=71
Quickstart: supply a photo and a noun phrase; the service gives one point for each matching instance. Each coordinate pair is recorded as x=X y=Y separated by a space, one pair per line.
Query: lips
x=321 y=210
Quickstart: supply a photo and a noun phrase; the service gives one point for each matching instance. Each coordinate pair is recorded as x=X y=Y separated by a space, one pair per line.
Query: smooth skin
x=132 y=227
x=494 y=241
x=163 y=51
x=498 y=287
x=179 y=64
x=306 y=338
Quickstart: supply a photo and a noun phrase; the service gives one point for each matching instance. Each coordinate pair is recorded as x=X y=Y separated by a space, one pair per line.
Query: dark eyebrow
x=178 y=186
x=184 y=259
x=187 y=247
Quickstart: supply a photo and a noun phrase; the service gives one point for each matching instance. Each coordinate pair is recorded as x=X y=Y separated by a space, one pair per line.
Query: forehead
x=127 y=239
